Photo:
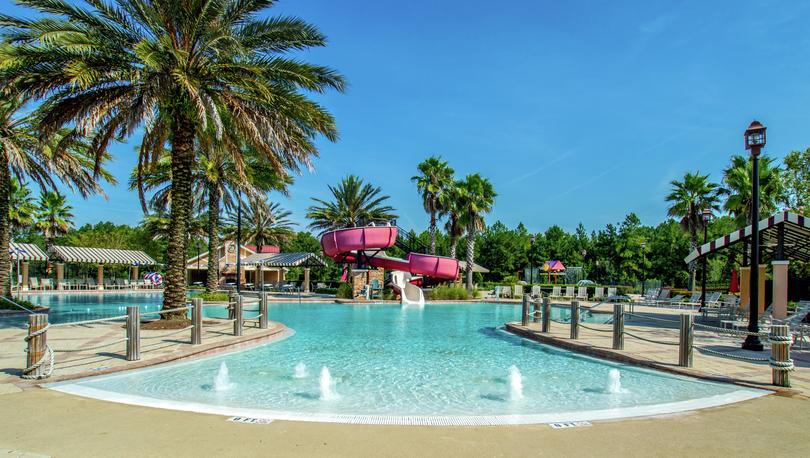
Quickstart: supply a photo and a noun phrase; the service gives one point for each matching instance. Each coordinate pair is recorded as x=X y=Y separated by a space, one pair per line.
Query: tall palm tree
x=54 y=217
x=737 y=187
x=174 y=68
x=436 y=176
x=452 y=207
x=21 y=205
x=62 y=157
x=688 y=198
x=263 y=223
x=476 y=198
x=354 y=203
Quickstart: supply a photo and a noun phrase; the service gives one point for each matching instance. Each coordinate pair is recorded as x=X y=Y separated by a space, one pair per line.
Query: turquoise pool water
x=444 y=364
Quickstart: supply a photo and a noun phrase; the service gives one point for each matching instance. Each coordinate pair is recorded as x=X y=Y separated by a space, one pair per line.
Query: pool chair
x=798 y=328
x=33 y=284
x=506 y=292
x=599 y=293
x=556 y=292
x=582 y=293
x=569 y=292
x=91 y=283
x=376 y=289
x=518 y=291
x=537 y=292
x=611 y=293
x=63 y=284
x=47 y=283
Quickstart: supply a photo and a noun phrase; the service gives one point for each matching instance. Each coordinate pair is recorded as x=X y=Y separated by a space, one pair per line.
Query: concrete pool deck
x=55 y=424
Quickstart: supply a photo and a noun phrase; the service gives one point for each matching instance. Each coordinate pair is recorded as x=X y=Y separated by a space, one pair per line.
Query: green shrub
x=449 y=293
x=325 y=290
x=216 y=296
x=27 y=304
x=388 y=294
x=345 y=291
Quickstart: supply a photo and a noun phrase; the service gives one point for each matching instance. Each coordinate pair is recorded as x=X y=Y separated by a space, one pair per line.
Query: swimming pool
x=444 y=364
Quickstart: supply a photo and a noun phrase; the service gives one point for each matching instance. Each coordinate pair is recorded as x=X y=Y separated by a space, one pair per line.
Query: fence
x=779 y=336
x=41 y=354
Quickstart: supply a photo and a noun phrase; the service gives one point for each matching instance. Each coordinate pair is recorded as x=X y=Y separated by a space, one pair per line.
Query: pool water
x=444 y=364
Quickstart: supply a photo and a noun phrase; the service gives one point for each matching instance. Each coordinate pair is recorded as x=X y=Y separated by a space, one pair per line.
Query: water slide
x=365 y=245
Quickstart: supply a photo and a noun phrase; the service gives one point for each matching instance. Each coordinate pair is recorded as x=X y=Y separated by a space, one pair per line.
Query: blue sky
x=577 y=111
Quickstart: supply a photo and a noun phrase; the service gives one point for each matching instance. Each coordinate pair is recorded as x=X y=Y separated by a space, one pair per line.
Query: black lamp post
x=531 y=263
x=584 y=253
x=754 y=141
x=239 y=243
x=707 y=215
x=644 y=268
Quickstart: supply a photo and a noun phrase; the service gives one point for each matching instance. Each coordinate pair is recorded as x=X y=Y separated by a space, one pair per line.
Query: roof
x=553 y=266
x=297 y=259
x=101 y=255
x=462 y=267
x=265 y=249
x=26 y=252
x=795 y=228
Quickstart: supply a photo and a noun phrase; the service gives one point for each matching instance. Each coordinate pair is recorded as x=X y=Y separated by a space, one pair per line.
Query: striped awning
x=26 y=252
x=101 y=255
x=793 y=229
x=285 y=260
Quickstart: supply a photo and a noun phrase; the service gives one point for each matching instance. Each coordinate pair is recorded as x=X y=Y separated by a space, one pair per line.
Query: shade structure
x=295 y=259
x=101 y=255
x=553 y=266
x=462 y=267
x=26 y=252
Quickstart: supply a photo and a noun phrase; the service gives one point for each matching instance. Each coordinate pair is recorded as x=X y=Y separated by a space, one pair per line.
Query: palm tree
x=21 y=206
x=737 y=186
x=263 y=224
x=688 y=198
x=173 y=68
x=62 y=157
x=476 y=197
x=452 y=207
x=354 y=203
x=436 y=176
x=54 y=217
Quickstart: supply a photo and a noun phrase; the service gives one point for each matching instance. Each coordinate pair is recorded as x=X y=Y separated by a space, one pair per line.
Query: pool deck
x=665 y=357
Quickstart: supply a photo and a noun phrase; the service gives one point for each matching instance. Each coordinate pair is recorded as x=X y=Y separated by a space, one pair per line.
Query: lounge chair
x=673 y=301
x=506 y=292
x=798 y=328
x=518 y=291
x=376 y=289
x=612 y=293
x=47 y=283
x=555 y=292
x=91 y=283
x=599 y=293
x=33 y=284
x=569 y=292
x=537 y=291
x=582 y=293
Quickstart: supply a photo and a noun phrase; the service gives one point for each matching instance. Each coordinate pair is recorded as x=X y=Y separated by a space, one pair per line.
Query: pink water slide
x=342 y=246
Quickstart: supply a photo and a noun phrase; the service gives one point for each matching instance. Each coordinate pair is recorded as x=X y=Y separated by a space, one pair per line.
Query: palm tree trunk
x=433 y=232
x=5 y=228
x=212 y=280
x=470 y=255
x=453 y=243
x=182 y=160
x=692 y=265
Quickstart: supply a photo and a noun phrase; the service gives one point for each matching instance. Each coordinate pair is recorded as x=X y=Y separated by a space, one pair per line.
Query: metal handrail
x=16 y=304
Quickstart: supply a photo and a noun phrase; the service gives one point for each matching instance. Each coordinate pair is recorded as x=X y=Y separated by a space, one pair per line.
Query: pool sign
x=569 y=424
x=251 y=421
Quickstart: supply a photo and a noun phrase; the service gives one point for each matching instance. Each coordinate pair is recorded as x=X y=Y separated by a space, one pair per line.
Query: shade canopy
x=462 y=267
x=553 y=266
x=791 y=229
x=101 y=255
x=284 y=260
x=26 y=252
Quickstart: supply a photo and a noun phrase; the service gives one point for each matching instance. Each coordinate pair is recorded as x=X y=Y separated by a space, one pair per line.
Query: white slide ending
x=410 y=293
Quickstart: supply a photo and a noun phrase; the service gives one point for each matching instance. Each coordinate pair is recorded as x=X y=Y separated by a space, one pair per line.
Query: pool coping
x=613 y=355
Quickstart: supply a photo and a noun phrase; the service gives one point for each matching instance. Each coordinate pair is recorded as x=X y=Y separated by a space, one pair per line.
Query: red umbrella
x=734 y=287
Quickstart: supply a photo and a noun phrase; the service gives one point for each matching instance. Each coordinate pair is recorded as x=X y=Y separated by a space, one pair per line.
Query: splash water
x=614 y=382
x=222 y=381
x=301 y=371
x=326 y=385
x=515 y=384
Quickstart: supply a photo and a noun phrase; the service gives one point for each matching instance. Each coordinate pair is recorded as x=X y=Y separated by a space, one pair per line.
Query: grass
x=452 y=293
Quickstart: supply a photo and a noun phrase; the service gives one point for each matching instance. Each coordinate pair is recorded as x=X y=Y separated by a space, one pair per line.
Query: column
x=762 y=269
x=134 y=273
x=780 y=289
x=745 y=287
x=24 y=269
x=60 y=274
x=306 y=280
x=100 y=277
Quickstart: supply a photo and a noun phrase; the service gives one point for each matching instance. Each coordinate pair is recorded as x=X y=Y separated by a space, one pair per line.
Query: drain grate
x=570 y=424
x=251 y=421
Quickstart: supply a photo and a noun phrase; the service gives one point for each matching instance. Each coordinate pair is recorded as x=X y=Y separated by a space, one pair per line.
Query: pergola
x=784 y=236
x=282 y=260
x=100 y=256
x=23 y=253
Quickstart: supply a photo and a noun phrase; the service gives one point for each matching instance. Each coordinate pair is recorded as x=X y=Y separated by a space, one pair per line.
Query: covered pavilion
x=101 y=256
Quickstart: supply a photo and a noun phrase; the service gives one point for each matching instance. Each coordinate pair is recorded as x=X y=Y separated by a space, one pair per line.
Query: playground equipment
x=365 y=245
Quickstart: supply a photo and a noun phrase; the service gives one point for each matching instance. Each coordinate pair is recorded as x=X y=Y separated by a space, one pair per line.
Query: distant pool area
x=444 y=364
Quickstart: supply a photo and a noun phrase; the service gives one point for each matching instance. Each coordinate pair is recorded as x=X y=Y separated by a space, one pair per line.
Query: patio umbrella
x=734 y=287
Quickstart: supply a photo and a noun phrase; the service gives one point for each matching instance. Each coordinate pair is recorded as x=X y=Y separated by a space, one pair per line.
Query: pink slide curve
x=343 y=244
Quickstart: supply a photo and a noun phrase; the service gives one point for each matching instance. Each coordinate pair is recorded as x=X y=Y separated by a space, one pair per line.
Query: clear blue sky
x=578 y=111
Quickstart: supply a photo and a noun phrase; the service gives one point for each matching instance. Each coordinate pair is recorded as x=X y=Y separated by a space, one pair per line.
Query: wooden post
x=263 y=310
x=618 y=327
x=536 y=307
x=306 y=280
x=196 y=321
x=546 y=324
x=781 y=364
x=60 y=274
x=524 y=317
x=231 y=304
x=36 y=345
x=575 y=319
x=24 y=269
x=685 y=354
x=237 y=314
x=133 y=333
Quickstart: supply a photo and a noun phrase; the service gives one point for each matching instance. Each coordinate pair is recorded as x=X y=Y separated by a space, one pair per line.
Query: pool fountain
x=515 y=384
x=222 y=381
x=326 y=383
x=614 y=383
x=301 y=371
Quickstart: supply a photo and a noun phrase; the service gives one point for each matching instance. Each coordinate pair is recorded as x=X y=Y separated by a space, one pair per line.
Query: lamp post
x=239 y=243
x=707 y=216
x=584 y=253
x=531 y=263
x=754 y=141
x=643 y=268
